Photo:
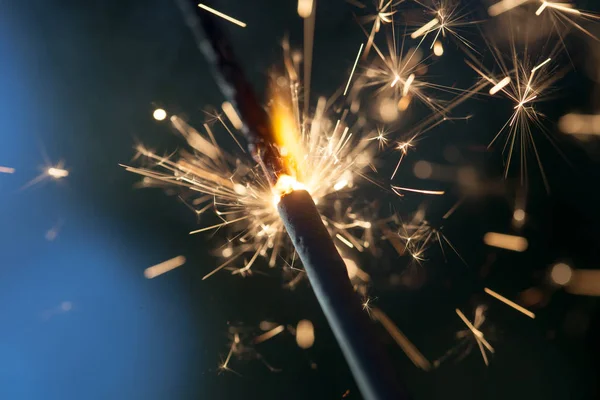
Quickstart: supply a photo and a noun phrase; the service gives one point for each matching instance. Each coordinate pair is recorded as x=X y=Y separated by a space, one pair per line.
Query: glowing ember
x=159 y=114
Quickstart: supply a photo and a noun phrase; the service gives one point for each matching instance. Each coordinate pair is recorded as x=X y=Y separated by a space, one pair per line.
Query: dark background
x=79 y=81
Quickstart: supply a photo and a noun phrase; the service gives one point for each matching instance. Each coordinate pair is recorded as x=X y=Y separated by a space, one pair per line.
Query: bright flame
x=286 y=135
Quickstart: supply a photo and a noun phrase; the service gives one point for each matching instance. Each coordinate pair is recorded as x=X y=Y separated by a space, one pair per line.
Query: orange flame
x=286 y=133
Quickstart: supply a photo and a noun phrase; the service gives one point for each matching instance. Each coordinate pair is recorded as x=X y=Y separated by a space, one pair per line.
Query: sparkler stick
x=329 y=278
x=324 y=266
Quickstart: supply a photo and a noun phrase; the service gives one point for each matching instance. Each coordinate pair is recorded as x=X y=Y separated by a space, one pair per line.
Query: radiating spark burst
x=222 y=15
x=525 y=83
x=243 y=340
x=563 y=15
x=49 y=171
x=327 y=159
x=398 y=75
x=468 y=338
x=381 y=138
x=448 y=19
x=477 y=334
x=419 y=235
x=509 y=303
x=383 y=14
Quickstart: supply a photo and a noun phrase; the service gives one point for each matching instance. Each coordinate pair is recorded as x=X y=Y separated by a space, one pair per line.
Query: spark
x=478 y=335
x=159 y=114
x=407 y=84
x=509 y=303
x=561 y=14
x=344 y=240
x=526 y=87
x=438 y=48
x=269 y=334
x=503 y=6
x=326 y=159
x=406 y=345
x=498 y=86
x=353 y=68
x=366 y=305
x=224 y=16
x=163 y=267
x=403 y=149
x=396 y=190
x=381 y=139
x=425 y=28
x=504 y=241
x=448 y=21
x=6 y=170
x=233 y=116
x=383 y=15
x=57 y=172
x=225 y=364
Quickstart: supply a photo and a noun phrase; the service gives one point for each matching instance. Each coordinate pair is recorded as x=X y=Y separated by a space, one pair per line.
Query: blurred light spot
x=388 y=110
x=507 y=242
x=451 y=154
x=305 y=8
x=267 y=325
x=6 y=170
x=467 y=176
x=51 y=234
x=438 y=49
x=584 y=282
x=423 y=169
x=561 y=274
x=239 y=189
x=163 y=267
x=159 y=114
x=227 y=252
x=305 y=334
x=233 y=116
x=580 y=124
x=519 y=215
x=66 y=306
x=404 y=102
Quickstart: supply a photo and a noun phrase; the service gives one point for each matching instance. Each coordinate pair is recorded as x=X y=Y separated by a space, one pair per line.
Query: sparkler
x=277 y=147
x=299 y=166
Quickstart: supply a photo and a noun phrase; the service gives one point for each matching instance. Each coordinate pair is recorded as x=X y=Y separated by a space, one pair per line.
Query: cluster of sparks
x=341 y=143
x=337 y=147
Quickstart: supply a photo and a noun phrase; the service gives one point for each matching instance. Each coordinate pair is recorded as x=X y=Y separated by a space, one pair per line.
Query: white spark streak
x=224 y=16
